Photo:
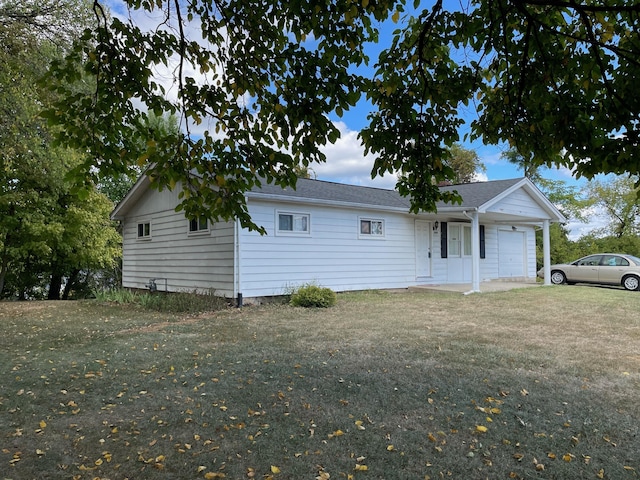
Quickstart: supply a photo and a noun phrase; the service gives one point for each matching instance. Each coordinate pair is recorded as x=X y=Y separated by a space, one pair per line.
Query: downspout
x=237 y=264
x=475 y=251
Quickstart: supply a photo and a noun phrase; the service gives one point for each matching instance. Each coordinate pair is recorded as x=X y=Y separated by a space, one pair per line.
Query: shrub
x=313 y=296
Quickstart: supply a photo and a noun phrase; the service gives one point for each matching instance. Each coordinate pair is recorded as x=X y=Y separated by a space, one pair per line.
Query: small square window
x=199 y=224
x=144 y=230
x=371 y=228
x=293 y=223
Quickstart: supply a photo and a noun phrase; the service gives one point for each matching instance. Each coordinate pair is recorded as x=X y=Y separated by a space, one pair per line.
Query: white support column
x=546 y=252
x=475 y=252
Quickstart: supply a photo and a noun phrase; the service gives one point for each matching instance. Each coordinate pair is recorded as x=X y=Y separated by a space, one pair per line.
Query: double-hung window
x=289 y=223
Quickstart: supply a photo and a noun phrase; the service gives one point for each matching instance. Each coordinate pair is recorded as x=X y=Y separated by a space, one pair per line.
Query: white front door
x=423 y=248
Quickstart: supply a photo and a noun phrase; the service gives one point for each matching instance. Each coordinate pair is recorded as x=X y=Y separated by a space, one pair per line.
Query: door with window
x=459 y=252
x=423 y=248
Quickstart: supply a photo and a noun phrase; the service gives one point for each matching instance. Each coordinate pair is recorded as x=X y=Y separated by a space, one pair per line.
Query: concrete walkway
x=496 y=286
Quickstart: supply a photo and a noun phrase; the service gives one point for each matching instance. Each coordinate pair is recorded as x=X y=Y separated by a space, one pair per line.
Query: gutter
x=332 y=203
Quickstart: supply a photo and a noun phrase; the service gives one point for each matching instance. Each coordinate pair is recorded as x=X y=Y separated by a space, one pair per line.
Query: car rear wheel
x=557 y=277
x=631 y=282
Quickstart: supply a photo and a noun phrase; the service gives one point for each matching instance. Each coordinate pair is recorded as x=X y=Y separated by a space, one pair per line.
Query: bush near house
x=310 y=295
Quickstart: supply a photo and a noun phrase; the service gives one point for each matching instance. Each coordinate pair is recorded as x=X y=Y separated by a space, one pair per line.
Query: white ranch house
x=339 y=236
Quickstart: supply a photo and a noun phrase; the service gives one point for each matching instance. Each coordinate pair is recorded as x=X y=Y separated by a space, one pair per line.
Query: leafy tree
x=46 y=231
x=553 y=78
x=562 y=249
x=592 y=243
x=465 y=163
x=85 y=241
x=305 y=171
x=619 y=200
x=530 y=169
x=568 y=200
x=116 y=186
x=58 y=21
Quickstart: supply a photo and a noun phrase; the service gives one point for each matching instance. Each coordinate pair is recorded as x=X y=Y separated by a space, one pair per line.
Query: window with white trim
x=289 y=223
x=144 y=230
x=198 y=225
x=371 y=228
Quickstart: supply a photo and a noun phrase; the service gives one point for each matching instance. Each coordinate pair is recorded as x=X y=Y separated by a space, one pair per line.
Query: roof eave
x=324 y=202
x=122 y=208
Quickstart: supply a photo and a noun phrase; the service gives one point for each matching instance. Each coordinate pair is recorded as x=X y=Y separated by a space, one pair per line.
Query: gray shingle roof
x=473 y=194
x=477 y=194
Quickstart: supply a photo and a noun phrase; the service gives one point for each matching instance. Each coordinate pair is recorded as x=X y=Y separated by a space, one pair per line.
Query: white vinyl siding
x=331 y=256
x=189 y=263
x=519 y=203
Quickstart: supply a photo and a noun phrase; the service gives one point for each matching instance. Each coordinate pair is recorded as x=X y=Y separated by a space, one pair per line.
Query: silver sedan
x=601 y=268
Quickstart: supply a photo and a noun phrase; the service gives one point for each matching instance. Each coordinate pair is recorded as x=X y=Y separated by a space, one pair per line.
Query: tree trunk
x=4 y=267
x=71 y=282
x=54 y=286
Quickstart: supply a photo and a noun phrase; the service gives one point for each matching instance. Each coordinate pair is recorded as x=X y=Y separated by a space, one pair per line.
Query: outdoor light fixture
x=436 y=225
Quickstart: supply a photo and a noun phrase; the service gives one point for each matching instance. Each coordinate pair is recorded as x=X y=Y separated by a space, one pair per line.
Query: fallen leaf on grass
x=481 y=428
x=275 y=470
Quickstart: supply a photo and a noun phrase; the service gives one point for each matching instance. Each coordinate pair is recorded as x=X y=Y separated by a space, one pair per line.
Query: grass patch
x=533 y=383
x=169 y=302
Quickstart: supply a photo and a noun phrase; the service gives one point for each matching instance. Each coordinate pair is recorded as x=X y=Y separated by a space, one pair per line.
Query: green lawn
x=532 y=383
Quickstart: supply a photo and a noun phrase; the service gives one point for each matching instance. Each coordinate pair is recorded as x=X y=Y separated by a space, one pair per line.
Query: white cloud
x=480 y=177
x=347 y=163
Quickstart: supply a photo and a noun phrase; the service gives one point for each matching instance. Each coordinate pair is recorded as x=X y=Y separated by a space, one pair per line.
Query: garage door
x=511 y=254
